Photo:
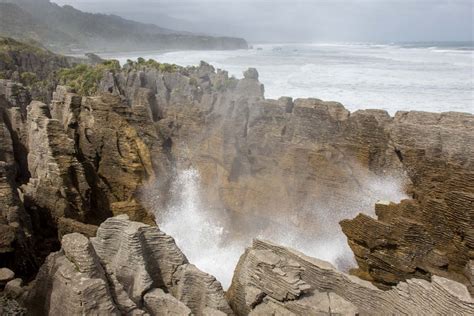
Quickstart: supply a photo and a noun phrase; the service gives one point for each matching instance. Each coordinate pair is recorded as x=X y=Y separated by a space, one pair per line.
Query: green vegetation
x=151 y=63
x=193 y=82
x=5 y=58
x=85 y=79
x=229 y=83
x=11 y=45
x=28 y=78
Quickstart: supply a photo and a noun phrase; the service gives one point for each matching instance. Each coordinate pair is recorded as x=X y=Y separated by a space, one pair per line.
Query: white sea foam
x=202 y=232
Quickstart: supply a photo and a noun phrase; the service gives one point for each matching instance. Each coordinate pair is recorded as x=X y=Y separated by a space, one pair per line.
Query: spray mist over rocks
x=213 y=241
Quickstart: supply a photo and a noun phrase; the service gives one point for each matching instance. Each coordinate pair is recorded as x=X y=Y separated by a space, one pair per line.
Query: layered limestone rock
x=58 y=181
x=72 y=282
x=158 y=303
x=110 y=137
x=129 y=268
x=271 y=279
x=68 y=166
x=433 y=233
x=71 y=164
x=114 y=144
x=256 y=157
x=259 y=159
x=16 y=242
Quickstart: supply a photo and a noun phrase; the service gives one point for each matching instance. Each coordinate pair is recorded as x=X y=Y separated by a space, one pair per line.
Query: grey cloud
x=302 y=20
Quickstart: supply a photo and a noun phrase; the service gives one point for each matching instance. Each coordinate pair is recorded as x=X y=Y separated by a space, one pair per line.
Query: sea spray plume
x=283 y=170
x=199 y=230
x=213 y=239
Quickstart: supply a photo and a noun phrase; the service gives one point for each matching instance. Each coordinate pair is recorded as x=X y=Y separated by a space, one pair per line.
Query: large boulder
x=72 y=282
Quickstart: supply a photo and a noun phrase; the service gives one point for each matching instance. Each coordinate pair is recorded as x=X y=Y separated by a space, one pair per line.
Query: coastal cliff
x=84 y=173
x=68 y=30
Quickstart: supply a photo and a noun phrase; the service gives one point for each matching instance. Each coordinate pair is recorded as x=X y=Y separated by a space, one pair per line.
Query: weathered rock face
x=57 y=180
x=271 y=279
x=114 y=144
x=432 y=234
x=121 y=157
x=67 y=166
x=16 y=243
x=130 y=268
x=72 y=282
x=260 y=158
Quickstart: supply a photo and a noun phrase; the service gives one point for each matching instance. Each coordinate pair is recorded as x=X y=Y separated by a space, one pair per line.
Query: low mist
x=301 y=20
x=214 y=240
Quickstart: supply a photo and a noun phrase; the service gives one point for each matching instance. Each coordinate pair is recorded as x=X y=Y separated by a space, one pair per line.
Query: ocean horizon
x=423 y=76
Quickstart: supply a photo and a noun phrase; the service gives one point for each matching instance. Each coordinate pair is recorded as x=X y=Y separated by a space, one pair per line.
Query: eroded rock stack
x=130 y=268
x=66 y=167
x=16 y=241
x=433 y=234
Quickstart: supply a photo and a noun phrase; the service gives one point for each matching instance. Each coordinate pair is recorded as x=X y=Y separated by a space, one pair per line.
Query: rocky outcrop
x=129 y=268
x=271 y=279
x=260 y=158
x=120 y=156
x=433 y=233
x=16 y=243
x=58 y=181
x=247 y=149
x=69 y=165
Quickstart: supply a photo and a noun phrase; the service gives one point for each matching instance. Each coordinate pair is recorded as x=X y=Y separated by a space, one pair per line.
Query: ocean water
x=436 y=77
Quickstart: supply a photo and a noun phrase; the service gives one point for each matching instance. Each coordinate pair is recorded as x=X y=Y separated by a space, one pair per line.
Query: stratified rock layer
x=434 y=232
x=67 y=166
x=16 y=242
x=271 y=279
x=262 y=159
x=114 y=144
x=124 y=270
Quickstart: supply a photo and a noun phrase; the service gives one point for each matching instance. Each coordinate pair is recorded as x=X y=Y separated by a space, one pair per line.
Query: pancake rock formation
x=274 y=280
x=259 y=158
x=86 y=170
x=129 y=268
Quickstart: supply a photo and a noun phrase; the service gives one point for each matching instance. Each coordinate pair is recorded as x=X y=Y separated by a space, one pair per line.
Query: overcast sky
x=302 y=20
